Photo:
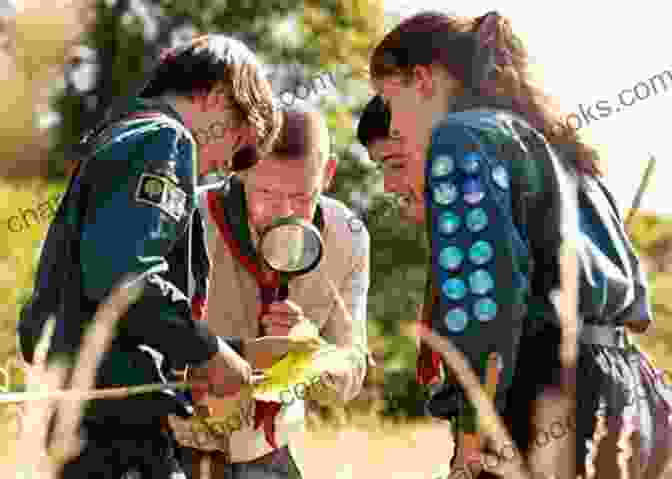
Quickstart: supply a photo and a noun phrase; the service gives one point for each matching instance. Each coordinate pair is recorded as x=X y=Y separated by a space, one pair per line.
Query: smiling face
x=403 y=173
x=416 y=102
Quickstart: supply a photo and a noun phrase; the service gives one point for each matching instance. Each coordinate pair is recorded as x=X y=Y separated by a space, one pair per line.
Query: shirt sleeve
x=480 y=254
x=140 y=202
x=346 y=326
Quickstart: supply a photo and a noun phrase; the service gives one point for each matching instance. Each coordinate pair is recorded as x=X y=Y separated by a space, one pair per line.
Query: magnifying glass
x=291 y=245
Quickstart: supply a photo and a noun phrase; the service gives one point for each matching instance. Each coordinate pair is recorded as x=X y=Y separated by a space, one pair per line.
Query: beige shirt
x=234 y=306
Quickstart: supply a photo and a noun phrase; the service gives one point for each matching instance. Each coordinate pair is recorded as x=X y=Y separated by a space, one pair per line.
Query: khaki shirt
x=234 y=306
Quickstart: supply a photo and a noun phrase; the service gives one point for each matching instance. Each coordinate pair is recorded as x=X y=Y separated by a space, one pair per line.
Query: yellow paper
x=298 y=366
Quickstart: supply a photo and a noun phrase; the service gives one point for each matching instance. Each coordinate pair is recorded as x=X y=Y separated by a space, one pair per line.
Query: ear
x=200 y=100
x=423 y=78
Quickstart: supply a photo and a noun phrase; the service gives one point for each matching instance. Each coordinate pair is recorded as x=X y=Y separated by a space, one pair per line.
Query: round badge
x=481 y=252
x=449 y=223
x=454 y=289
x=469 y=163
x=442 y=165
x=477 y=220
x=485 y=309
x=501 y=177
x=456 y=320
x=481 y=282
x=445 y=193
x=473 y=191
x=451 y=258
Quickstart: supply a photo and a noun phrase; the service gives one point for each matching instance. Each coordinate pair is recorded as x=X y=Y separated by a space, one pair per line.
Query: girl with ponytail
x=480 y=151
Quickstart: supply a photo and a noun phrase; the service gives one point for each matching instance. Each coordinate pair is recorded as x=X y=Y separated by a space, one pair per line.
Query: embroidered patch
x=481 y=282
x=456 y=320
x=454 y=289
x=443 y=165
x=445 y=193
x=473 y=191
x=159 y=191
x=449 y=223
x=481 y=252
x=470 y=162
x=477 y=220
x=451 y=258
x=485 y=309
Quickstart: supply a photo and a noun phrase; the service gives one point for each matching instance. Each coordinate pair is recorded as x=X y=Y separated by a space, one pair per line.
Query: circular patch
x=469 y=163
x=456 y=320
x=501 y=177
x=454 y=289
x=449 y=223
x=481 y=282
x=473 y=191
x=355 y=224
x=445 y=193
x=451 y=258
x=481 y=252
x=485 y=309
x=442 y=165
x=477 y=220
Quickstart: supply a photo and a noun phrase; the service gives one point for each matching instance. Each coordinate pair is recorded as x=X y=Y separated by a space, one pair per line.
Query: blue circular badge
x=442 y=165
x=473 y=191
x=451 y=258
x=449 y=223
x=445 y=193
x=481 y=282
x=481 y=252
x=501 y=177
x=485 y=309
x=469 y=163
x=456 y=320
x=454 y=289
x=477 y=220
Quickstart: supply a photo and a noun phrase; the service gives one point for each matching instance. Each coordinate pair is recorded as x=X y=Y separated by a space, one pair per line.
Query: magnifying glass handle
x=282 y=293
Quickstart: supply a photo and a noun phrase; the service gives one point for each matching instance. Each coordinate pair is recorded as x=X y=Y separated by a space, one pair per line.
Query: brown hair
x=453 y=42
x=215 y=61
x=304 y=130
x=304 y=136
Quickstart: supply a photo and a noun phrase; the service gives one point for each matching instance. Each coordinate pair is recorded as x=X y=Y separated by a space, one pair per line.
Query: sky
x=590 y=51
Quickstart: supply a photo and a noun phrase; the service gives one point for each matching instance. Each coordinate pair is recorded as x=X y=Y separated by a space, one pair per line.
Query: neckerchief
x=232 y=223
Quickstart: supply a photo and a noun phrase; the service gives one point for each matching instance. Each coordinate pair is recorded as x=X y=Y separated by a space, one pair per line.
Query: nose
x=285 y=208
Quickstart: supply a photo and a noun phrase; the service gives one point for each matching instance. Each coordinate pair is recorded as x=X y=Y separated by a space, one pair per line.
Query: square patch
x=162 y=193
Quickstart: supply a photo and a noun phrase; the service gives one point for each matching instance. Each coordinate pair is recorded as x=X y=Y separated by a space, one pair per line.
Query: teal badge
x=477 y=220
x=481 y=282
x=442 y=165
x=485 y=309
x=456 y=320
x=449 y=223
x=451 y=258
x=445 y=193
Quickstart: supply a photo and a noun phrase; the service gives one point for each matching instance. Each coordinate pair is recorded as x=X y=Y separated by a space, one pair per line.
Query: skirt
x=618 y=395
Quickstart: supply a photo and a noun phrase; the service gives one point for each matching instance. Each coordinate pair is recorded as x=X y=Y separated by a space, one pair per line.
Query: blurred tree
x=128 y=35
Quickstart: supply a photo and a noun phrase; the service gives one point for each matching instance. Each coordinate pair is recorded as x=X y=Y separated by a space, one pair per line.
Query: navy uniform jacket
x=128 y=210
x=499 y=204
